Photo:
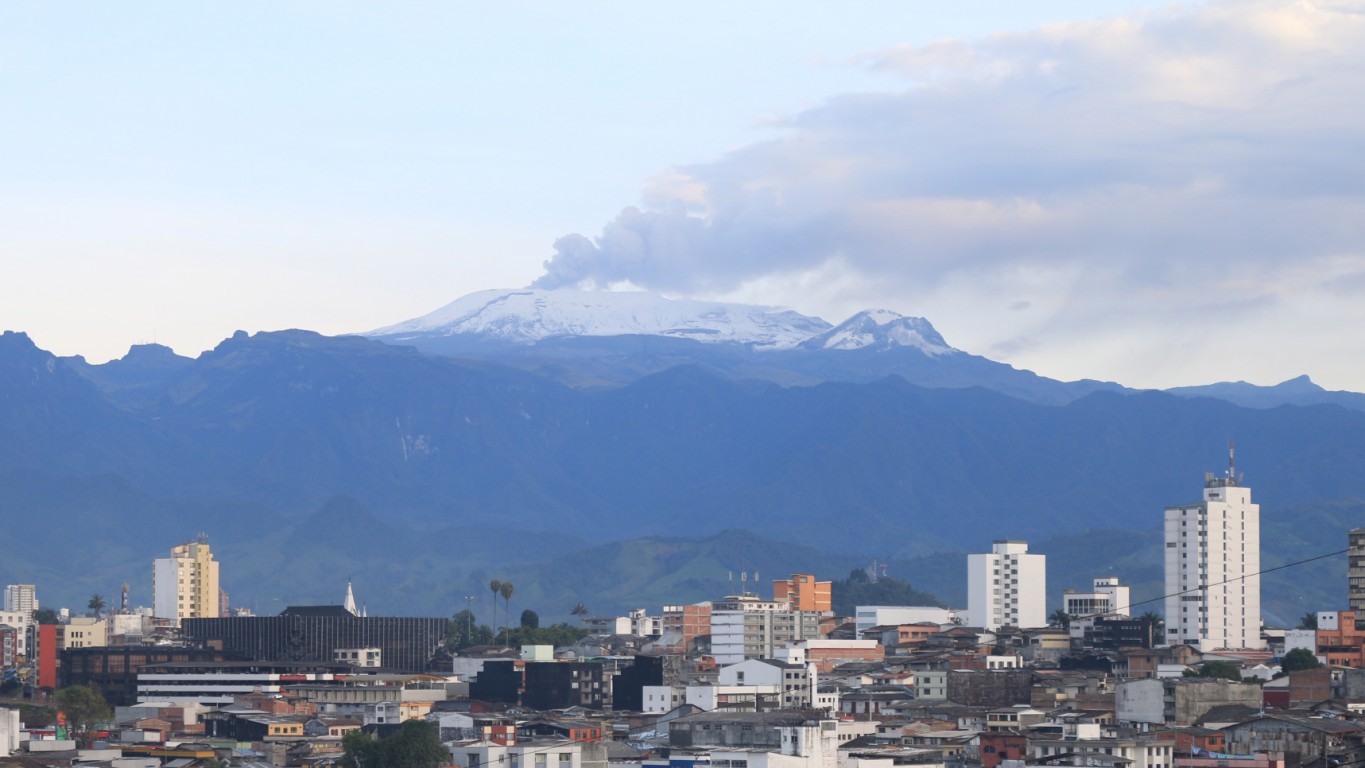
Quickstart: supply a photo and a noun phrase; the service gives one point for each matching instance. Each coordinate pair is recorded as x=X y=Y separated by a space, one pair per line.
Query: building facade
x=1355 y=575
x=21 y=597
x=316 y=633
x=185 y=585
x=747 y=627
x=1213 y=562
x=803 y=593
x=1007 y=587
x=1107 y=597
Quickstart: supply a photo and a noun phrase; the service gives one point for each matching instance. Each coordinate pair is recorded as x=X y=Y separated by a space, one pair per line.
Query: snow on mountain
x=530 y=315
x=882 y=328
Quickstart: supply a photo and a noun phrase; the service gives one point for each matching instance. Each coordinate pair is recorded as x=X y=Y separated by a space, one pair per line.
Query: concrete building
x=747 y=627
x=683 y=625
x=21 y=597
x=21 y=621
x=1213 y=558
x=803 y=593
x=1178 y=701
x=1355 y=574
x=1106 y=598
x=185 y=585
x=1007 y=587
x=82 y=632
x=866 y=617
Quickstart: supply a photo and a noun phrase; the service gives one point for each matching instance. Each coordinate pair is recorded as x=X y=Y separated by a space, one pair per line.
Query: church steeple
x=350 y=599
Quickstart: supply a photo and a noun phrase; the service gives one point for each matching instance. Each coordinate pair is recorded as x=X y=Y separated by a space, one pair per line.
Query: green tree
x=417 y=744
x=1298 y=659
x=1060 y=618
x=579 y=610
x=45 y=616
x=530 y=619
x=858 y=575
x=462 y=632
x=1309 y=621
x=1225 y=670
x=84 y=707
x=96 y=605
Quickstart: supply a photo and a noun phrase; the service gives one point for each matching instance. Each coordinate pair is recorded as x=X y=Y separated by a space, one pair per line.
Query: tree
x=579 y=610
x=506 y=591
x=1225 y=670
x=1060 y=618
x=417 y=744
x=96 y=604
x=495 y=586
x=858 y=575
x=530 y=619
x=462 y=632
x=1309 y=621
x=45 y=616
x=84 y=707
x=1298 y=659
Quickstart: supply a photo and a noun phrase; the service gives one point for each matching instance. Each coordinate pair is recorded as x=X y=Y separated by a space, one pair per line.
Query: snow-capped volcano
x=528 y=316
x=882 y=328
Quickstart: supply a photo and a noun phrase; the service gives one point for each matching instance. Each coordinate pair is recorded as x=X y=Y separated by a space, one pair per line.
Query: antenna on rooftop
x=1232 y=459
x=123 y=603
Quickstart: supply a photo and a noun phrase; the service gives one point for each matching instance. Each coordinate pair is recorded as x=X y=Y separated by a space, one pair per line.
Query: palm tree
x=496 y=586
x=1309 y=621
x=96 y=604
x=1155 y=622
x=580 y=610
x=506 y=590
x=1060 y=618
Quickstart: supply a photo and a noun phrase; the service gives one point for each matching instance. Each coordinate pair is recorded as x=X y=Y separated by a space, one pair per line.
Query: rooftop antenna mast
x=1232 y=461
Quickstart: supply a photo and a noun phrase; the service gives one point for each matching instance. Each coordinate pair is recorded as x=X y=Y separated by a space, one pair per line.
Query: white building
x=1213 y=556
x=1007 y=587
x=21 y=597
x=21 y=621
x=1107 y=597
x=868 y=616
x=747 y=627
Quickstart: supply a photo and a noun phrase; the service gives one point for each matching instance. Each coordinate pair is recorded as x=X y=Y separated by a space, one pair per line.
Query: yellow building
x=185 y=585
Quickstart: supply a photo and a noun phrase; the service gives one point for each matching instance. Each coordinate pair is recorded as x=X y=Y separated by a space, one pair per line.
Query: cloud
x=1156 y=161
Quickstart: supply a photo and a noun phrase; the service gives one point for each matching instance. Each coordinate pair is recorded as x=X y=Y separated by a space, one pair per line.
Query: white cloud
x=1203 y=163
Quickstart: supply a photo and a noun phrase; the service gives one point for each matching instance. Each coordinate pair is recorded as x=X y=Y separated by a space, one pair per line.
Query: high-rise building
x=21 y=597
x=1213 y=562
x=1007 y=587
x=748 y=627
x=1355 y=574
x=185 y=585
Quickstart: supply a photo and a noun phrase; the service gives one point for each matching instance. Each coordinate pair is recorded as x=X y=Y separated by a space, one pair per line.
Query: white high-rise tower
x=1213 y=561
x=1007 y=587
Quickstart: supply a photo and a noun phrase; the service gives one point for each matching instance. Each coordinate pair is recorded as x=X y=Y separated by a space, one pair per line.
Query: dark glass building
x=314 y=633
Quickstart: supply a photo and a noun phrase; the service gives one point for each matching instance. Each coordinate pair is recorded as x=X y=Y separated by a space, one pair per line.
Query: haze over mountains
x=536 y=436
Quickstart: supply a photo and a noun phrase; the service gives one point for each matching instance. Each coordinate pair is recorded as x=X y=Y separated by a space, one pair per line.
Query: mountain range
x=618 y=457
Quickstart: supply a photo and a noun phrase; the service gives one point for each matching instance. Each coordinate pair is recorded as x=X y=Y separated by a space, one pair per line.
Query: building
x=21 y=597
x=866 y=617
x=1106 y=598
x=803 y=593
x=22 y=621
x=1007 y=587
x=185 y=585
x=747 y=627
x=1213 y=561
x=82 y=632
x=316 y=633
x=1355 y=574
x=685 y=624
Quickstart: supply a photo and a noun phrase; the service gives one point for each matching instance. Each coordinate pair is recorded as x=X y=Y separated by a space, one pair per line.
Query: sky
x=1143 y=192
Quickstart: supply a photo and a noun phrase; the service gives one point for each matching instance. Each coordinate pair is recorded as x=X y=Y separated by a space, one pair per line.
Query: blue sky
x=1106 y=189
